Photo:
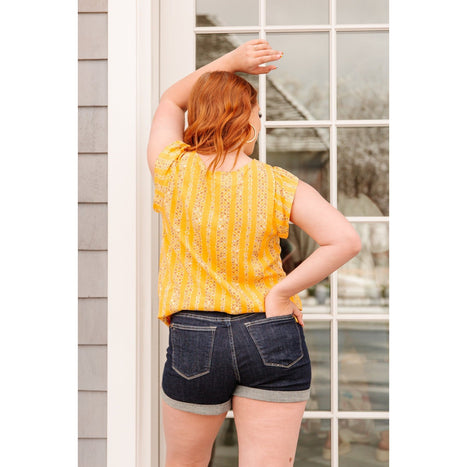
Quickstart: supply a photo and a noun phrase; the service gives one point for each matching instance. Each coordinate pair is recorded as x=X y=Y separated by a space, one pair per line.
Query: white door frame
x=144 y=37
x=132 y=29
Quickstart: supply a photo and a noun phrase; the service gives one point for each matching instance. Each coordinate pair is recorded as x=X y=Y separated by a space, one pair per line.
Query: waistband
x=216 y=316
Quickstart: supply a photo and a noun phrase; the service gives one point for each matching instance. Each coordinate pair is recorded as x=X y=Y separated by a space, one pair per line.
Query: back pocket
x=192 y=348
x=277 y=339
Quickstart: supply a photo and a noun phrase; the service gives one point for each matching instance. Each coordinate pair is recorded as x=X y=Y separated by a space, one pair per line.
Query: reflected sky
x=246 y=12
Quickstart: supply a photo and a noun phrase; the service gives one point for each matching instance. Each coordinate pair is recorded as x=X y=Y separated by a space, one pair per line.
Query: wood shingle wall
x=92 y=233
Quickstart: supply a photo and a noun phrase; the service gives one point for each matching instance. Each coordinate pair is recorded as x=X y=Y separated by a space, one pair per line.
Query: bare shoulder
x=306 y=199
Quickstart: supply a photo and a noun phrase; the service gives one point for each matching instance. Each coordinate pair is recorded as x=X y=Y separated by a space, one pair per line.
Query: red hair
x=219 y=111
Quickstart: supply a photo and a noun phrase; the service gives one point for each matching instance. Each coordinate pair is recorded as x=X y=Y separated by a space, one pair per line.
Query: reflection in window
x=363 y=282
x=364 y=442
x=362 y=75
x=318 y=341
x=297 y=12
x=363 y=386
x=225 y=447
x=363 y=366
x=294 y=250
x=226 y=13
x=311 y=443
x=302 y=151
x=363 y=171
x=362 y=11
x=299 y=88
x=209 y=47
x=313 y=447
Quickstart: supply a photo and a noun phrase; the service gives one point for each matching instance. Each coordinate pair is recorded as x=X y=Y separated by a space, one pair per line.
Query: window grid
x=334 y=317
x=326 y=123
x=294 y=28
x=333 y=200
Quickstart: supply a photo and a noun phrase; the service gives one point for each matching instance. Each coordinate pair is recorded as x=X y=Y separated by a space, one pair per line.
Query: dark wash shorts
x=213 y=355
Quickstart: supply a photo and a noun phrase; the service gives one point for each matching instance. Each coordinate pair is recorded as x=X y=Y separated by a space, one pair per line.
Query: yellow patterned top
x=220 y=249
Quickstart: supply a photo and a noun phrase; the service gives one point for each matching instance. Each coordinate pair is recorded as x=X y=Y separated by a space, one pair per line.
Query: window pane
x=363 y=171
x=363 y=366
x=311 y=441
x=212 y=46
x=318 y=341
x=227 y=13
x=225 y=448
x=297 y=12
x=294 y=250
x=363 y=282
x=362 y=11
x=364 y=443
x=362 y=75
x=299 y=88
x=302 y=151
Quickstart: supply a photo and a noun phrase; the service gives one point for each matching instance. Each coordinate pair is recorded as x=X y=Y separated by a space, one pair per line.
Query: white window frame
x=332 y=124
x=145 y=37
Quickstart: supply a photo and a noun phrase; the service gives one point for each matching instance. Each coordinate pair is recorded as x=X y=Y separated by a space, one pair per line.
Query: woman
x=236 y=326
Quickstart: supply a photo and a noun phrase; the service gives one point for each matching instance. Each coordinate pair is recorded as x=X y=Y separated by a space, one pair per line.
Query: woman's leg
x=267 y=431
x=188 y=436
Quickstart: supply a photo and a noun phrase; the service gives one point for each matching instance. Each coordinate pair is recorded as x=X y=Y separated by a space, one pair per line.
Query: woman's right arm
x=169 y=119
x=338 y=243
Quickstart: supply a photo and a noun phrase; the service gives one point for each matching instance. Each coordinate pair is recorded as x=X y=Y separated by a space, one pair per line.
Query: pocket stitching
x=261 y=353
x=212 y=329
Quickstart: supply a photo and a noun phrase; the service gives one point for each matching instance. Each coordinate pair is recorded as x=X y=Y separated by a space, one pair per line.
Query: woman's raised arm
x=169 y=119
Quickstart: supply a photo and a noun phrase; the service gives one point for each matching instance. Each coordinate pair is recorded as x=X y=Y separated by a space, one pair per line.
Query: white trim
x=368 y=219
x=346 y=316
x=362 y=123
x=290 y=28
x=333 y=201
x=325 y=123
x=156 y=229
x=129 y=376
x=121 y=345
x=262 y=86
x=226 y=29
x=147 y=426
x=323 y=414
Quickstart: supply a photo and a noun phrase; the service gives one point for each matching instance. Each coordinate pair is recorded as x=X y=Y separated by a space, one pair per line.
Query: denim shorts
x=213 y=355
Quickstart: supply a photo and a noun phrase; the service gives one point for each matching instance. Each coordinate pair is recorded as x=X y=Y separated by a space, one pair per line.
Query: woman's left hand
x=278 y=305
x=251 y=57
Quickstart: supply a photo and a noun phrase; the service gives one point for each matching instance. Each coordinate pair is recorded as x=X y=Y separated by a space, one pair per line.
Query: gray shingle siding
x=92 y=233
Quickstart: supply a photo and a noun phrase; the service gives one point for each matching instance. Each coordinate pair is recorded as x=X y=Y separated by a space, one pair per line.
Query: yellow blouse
x=220 y=249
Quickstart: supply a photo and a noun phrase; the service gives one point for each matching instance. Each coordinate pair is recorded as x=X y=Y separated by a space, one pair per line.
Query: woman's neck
x=242 y=160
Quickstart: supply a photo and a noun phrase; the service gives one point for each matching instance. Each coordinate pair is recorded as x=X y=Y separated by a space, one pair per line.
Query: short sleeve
x=163 y=169
x=285 y=185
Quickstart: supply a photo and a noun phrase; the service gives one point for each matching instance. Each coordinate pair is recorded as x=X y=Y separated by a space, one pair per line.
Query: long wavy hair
x=219 y=110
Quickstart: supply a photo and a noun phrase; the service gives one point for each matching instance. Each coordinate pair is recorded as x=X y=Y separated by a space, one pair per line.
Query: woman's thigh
x=188 y=436
x=267 y=431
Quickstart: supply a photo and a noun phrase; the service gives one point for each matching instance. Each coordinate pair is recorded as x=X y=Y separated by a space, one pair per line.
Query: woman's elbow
x=354 y=243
